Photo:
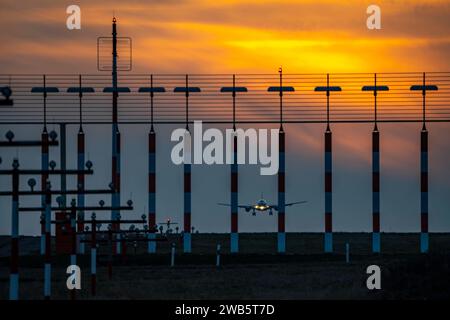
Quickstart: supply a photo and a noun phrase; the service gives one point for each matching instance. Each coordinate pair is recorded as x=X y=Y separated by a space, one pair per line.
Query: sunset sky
x=251 y=36
x=230 y=36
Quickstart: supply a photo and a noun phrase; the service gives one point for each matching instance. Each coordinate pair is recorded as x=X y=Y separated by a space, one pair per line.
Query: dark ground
x=304 y=272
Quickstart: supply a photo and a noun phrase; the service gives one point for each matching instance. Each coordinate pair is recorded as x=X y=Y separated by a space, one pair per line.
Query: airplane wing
x=292 y=203
x=239 y=206
x=275 y=206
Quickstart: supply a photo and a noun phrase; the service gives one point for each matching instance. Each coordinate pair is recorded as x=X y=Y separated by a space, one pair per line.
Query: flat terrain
x=304 y=272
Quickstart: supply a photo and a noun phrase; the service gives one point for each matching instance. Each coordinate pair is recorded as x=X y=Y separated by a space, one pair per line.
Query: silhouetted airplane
x=261 y=206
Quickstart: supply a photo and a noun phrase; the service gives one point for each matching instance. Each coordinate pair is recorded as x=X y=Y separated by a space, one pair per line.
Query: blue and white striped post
x=151 y=190
x=44 y=178
x=376 y=238
x=424 y=237
x=81 y=185
x=424 y=190
x=281 y=194
x=80 y=162
x=234 y=177
x=151 y=246
x=234 y=235
x=328 y=192
x=328 y=243
x=281 y=207
x=187 y=200
x=187 y=248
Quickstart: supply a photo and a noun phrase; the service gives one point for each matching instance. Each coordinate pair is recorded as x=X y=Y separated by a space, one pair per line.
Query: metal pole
x=93 y=258
x=424 y=179
x=376 y=238
x=14 y=267
x=328 y=178
x=281 y=194
x=62 y=129
x=281 y=177
x=80 y=177
x=376 y=241
x=187 y=183
x=48 y=239
x=151 y=246
x=172 y=255
x=115 y=167
x=234 y=235
x=44 y=178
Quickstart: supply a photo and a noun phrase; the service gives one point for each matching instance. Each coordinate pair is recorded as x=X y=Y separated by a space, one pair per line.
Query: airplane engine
x=248 y=209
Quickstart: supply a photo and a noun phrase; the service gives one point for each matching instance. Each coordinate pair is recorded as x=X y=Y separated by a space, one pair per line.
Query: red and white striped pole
x=234 y=217
x=328 y=191
x=281 y=194
x=424 y=190
x=81 y=186
x=151 y=177
x=152 y=190
x=187 y=169
x=281 y=177
x=44 y=178
x=80 y=177
x=234 y=236
x=376 y=237
x=328 y=245
x=424 y=237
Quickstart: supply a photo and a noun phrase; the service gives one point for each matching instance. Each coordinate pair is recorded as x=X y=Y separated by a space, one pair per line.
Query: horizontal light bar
x=375 y=88
x=327 y=89
x=424 y=88
x=233 y=89
x=44 y=89
x=186 y=89
x=281 y=89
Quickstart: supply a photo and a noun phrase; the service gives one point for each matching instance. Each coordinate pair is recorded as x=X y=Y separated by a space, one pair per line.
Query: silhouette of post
x=234 y=234
x=281 y=194
x=48 y=243
x=376 y=238
x=44 y=148
x=328 y=240
x=151 y=247
x=44 y=178
x=115 y=198
x=94 y=256
x=424 y=237
x=187 y=169
x=281 y=208
x=80 y=161
x=14 y=269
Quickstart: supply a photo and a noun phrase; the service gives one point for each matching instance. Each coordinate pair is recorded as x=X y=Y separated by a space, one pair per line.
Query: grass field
x=304 y=272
